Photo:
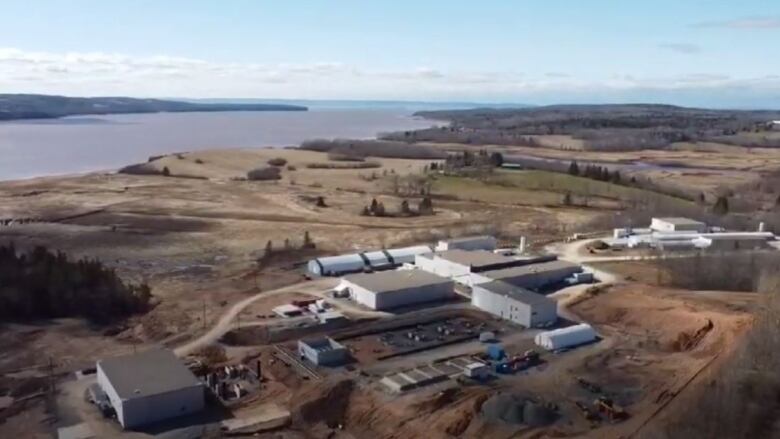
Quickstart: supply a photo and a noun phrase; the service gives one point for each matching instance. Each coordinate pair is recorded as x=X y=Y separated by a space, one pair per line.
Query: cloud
x=767 y=22
x=685 y=48
x=95 y=73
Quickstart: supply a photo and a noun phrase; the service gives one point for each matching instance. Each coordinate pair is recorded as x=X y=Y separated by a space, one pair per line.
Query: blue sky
x=722 y=53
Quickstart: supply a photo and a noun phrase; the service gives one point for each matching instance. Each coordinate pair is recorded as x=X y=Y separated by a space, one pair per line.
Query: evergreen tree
x=721 y=206
x=574 y=169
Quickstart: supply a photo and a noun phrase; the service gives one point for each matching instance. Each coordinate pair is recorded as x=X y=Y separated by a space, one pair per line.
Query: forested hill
x=600 y=127
x=31 y=106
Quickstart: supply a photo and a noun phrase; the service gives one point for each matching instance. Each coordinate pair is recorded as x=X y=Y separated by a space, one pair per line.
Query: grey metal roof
x=147 y=373
x=516 y=293
x=680 y=221
x=468 y=239
x=386 y=281
x=474 y=258
x=544 y=267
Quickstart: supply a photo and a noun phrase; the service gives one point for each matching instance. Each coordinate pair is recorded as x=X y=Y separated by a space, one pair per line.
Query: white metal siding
x=442 y=267
x=106 y=386
x=152 y=408
x=506 y=307
x=474 y=243
x=394 y=299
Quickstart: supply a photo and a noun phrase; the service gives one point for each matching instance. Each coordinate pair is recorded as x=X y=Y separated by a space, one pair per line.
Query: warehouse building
x=531 y=276
x=676 y=224
x=468 y=243
x=364 y=261
x=149 y=386
x=461 y=265
x=323 y=351
x=515 y=304
x=392 y=289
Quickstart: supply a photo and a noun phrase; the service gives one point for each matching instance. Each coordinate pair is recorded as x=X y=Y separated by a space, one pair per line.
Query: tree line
x=40 y=284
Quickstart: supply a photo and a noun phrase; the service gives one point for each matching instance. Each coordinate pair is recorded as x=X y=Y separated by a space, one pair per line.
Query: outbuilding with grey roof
x=149 y=386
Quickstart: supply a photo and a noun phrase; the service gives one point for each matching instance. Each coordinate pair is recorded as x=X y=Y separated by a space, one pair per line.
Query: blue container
x=496 y=352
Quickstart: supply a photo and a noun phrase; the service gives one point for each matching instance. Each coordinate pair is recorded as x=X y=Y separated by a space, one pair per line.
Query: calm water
x=91 y=143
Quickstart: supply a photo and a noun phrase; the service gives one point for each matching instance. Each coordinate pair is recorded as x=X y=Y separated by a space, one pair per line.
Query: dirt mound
x=326 y=403
x=515 y=409
x=688 y=340
x=439 y=401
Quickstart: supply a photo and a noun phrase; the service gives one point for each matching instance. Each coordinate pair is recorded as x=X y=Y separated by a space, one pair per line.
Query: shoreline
x=400 y=122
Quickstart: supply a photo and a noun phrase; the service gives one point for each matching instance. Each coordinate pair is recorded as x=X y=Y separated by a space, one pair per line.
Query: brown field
x=197 y=241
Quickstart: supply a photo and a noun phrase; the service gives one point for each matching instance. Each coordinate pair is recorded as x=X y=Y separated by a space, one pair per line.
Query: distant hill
x=32 y=106
x=607 y=127
x=355 y=104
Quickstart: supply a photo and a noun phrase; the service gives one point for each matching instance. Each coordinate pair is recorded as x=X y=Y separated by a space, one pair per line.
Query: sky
x=692 y=52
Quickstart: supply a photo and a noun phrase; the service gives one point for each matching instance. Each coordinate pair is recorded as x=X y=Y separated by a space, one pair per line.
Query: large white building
x=676 y=224
x=685 y=234
x=393 y=289
x=515 y=304
x=460 y=264
x=148 y=387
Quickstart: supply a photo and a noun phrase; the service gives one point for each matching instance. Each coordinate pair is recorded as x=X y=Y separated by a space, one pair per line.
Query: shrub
x=350 y=165
x=345 y=157
x=278 y=161
x=291 y=168
x=199 y=161
x=140 y=169
x=260 y=174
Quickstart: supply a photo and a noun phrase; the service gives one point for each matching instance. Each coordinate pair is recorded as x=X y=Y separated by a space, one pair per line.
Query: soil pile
x=325 y=403
x=515 y=409
x=688 y=340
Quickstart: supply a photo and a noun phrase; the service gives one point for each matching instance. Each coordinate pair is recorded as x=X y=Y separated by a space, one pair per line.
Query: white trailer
x=566 y=337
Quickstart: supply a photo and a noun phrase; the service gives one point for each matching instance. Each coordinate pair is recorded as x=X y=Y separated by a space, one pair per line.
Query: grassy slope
x=544 y=188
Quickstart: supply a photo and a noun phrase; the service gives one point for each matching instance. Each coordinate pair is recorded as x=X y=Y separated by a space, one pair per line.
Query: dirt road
x=223 y=325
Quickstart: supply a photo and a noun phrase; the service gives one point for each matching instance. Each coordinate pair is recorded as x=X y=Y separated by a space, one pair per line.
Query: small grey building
x=534 y=276
x=323 y=351
x=515 y=304
x=149 y=386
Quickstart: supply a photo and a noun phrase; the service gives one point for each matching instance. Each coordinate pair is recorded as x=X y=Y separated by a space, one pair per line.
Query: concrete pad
x=78 y=431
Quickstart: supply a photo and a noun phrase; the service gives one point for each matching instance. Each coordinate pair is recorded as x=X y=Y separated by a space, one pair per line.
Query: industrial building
x=531 y=276
x=392 y=289
x=515 y=304
x=566 y=337
x=459 y=264
x=468 y=243
x=323 y=351
x=149 y=386
x=364 y=261
x=683 y=234
x=677 y=224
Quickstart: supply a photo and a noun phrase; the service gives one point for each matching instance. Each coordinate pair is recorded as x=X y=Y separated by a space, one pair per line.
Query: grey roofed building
x=544 y=267
x=517 y=293
x=395 y=280
x=146 y=373
x=474 y=258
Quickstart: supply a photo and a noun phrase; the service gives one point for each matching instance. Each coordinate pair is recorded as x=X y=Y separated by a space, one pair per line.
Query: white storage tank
x=566 y=337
